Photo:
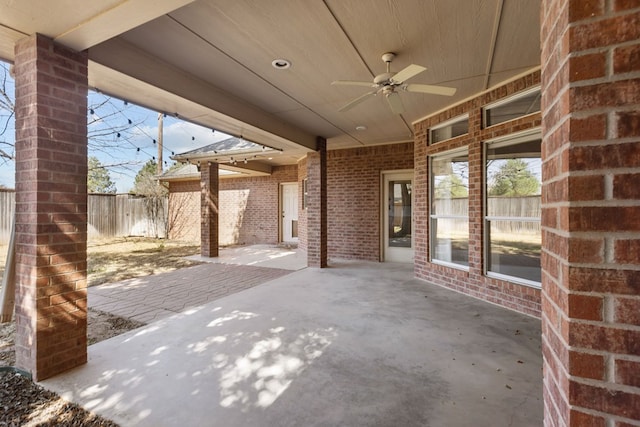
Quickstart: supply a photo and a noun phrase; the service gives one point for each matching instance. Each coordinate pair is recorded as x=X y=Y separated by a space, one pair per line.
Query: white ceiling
x=210 y=60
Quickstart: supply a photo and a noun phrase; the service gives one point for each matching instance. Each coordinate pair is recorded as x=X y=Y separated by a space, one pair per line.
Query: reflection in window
x=450 y=129
x=513 y=209
x=519 y=105
x=450 y=208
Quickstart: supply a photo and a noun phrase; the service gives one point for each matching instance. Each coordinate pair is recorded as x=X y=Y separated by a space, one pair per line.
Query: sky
x=121 y=136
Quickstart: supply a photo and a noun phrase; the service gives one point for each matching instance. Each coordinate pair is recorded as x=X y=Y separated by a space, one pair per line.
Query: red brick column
x=420 y=200
x=317 y=206
x=51 y=207
x=591 y=212
x=209 y=210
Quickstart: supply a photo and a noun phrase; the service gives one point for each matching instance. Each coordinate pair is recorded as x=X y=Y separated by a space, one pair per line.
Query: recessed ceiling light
x=280 y=64
x=361 y=128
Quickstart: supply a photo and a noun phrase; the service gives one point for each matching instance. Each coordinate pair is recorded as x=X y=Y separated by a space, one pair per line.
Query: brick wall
x=51 y=207
x=184 y=206
x=249 y=208
x=257 y=216
x=472 y=282
x=591 y=212
x=317 y=252
x=354 y=183
x=209 y=209
x=302 y=212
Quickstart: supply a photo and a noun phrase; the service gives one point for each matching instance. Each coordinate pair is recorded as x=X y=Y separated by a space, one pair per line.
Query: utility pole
x=160 y=116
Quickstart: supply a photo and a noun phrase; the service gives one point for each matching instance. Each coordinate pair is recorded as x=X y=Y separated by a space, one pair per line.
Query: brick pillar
x=51 y=207
x=317 y=206
x=209 y=210
x=420 y=209
x=591 y=212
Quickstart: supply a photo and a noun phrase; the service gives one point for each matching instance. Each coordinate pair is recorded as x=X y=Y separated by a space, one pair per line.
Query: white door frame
x=286 y=227
x=389 y=253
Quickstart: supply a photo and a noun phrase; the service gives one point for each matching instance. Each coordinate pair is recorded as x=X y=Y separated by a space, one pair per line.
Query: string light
x=144 y=131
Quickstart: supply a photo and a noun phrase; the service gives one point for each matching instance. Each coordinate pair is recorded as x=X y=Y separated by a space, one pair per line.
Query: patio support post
x=209 y=237
x=51 y=207
x=317 y=206
x=591 y=212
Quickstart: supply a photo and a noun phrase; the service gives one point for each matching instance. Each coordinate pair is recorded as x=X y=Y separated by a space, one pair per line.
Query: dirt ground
x=27 y=404
x=120 y=258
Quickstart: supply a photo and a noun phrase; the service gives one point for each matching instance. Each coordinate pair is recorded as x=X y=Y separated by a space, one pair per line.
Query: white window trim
x=503 y=141
x=446 y=154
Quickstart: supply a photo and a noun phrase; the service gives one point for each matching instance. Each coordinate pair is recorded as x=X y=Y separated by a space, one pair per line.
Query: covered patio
x=358 y=343
x=561 y=76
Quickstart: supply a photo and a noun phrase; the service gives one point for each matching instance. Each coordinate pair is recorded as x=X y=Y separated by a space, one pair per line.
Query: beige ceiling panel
x=256 y=33
x=78 y=24
x=115 y=20
x=451 y=38
x=517 y=46
x=129 y=61
x=8 y=39
x=222 y=51
x=185 y=50
x=51 y=18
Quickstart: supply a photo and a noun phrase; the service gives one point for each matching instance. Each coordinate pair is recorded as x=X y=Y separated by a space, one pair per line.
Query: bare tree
x=7 y=109
x=183 y=207
x=155 y=194
x=110 y=130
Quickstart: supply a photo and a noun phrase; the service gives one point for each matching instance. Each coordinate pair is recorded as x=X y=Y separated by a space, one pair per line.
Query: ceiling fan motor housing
x=383 y=79
x=388 y=57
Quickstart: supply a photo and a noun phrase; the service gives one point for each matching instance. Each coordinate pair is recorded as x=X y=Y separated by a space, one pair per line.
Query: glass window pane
x=400 y=214
x=513 y=204
x=450 y=242
x=514 y=249
x=450 y=208
x=514 y=180
x=517 y=107
x=451 y=130
x=450 y=185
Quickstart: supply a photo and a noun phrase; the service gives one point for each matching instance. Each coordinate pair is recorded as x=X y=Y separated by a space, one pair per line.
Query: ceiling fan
x=389 y=83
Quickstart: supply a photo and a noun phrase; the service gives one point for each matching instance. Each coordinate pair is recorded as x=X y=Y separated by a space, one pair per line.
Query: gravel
x=24 y=403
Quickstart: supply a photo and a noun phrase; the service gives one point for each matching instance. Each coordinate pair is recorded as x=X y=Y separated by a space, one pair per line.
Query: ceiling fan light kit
x=387 y=83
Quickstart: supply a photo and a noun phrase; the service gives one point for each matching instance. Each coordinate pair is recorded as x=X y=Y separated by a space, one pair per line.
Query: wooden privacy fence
x=525 y=208
x=7 y=210
x=109 y=215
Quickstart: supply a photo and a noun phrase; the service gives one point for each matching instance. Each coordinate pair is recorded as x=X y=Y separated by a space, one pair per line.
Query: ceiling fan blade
x=357 y=101
x=352 y=83
x=434 y=90
x=395 y=103
x=407 y=73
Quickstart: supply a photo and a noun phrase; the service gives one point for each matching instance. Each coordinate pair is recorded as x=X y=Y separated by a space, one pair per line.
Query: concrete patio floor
x=357 y=344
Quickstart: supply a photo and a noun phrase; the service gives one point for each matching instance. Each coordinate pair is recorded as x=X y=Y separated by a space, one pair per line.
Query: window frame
x=450 y=122
x=432 y=216
x=304 y=193
x=503 y=141
x=507 y=100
